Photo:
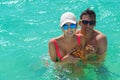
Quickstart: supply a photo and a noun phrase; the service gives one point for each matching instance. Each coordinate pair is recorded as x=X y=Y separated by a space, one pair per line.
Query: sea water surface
x=26 y=26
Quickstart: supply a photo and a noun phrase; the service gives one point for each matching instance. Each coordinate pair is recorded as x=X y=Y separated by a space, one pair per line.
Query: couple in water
x=86 y=46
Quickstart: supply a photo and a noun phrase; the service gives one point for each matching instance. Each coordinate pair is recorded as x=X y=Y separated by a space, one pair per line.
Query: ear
x=79 y=22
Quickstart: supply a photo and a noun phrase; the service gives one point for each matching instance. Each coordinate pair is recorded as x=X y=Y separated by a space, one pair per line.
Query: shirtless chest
x=93 y=44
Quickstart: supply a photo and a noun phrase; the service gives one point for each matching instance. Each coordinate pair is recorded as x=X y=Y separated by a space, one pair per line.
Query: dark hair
x=89 y=12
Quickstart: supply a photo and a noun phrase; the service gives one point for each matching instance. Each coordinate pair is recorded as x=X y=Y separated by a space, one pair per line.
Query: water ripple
x=2 y=30
x=31 y=39
x=9 y=2
x=4 y=43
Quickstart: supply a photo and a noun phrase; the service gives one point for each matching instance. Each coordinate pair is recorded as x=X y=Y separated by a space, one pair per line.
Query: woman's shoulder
x=55 y=39
x=77 y=31
x=79 y=34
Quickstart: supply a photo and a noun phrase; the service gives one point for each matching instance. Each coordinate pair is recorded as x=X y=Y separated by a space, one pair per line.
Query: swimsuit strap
x=57 y=50
x=78 y=38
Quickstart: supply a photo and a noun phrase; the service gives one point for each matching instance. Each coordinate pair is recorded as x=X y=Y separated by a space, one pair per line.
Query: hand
x=90 y=49
x=70 y=59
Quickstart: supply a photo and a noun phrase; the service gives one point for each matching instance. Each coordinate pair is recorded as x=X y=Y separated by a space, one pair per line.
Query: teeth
x=87 y=29
x=70 y=32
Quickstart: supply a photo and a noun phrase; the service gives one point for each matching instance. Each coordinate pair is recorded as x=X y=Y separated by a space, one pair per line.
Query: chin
x=88 y=30
x=70 y=35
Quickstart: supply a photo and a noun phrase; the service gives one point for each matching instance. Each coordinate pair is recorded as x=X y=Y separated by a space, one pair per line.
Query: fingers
x=90 y=49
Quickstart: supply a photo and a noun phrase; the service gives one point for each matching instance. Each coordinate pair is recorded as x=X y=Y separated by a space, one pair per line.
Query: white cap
x=67 y=17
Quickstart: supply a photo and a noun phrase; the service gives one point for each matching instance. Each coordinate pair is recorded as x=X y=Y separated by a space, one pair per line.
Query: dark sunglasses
x=71 y=26
x=85 y=22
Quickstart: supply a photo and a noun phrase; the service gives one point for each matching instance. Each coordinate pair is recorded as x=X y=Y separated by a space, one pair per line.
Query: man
x=95 y=41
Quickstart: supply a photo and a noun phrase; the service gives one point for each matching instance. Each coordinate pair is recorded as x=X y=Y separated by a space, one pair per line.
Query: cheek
x=83 y=26
x=65 y=31
x=92 y=27
x=74 y=30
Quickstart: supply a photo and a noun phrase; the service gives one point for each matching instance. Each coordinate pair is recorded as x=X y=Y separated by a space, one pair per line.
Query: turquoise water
x=26 y=26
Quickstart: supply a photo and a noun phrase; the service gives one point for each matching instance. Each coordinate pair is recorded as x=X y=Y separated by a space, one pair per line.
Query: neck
x=69 y=38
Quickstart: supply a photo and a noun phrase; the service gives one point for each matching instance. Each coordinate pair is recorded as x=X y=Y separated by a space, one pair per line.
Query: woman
x=61 y=48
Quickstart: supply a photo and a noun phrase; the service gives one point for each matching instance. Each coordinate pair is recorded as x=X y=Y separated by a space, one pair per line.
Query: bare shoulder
x=52 y=49
x=77 y=31
x=51 y=42
x=56 y=38
x=100 y=36
x=101 y=42
x=81 y=36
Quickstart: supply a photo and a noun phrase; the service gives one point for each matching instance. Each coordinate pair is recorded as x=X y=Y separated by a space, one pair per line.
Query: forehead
x=88 y=17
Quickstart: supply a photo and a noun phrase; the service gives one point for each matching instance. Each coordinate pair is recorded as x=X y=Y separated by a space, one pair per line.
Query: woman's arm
x=66 y=59
x=52 y=51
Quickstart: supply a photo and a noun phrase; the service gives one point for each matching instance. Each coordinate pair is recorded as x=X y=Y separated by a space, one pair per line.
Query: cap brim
x=71 y=21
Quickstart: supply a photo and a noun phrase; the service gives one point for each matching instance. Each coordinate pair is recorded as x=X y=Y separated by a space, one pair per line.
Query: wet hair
x=89 y=12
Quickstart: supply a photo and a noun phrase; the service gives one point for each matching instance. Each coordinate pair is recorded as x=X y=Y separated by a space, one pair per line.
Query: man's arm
x=101 y=49
x=102 y=44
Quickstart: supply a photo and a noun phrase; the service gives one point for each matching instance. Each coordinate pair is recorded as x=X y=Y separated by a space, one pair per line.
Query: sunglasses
x=85 y=22
x=71 y=26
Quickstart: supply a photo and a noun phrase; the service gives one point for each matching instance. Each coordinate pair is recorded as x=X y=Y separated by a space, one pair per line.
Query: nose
x=88 y=25
x=69 y=29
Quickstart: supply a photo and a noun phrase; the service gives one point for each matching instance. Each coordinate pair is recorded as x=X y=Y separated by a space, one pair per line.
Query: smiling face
x=87 y=23
x=69 y=29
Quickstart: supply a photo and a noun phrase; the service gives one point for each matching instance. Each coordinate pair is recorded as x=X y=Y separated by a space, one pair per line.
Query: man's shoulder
x=101 y=42
x=100 y=35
